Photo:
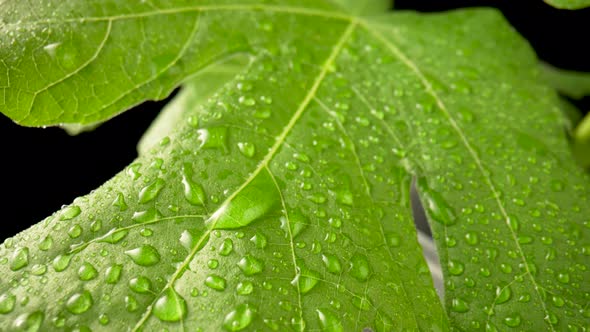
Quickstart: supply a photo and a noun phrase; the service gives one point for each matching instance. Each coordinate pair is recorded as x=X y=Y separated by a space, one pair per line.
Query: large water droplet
x=170 y=306
x=7 y=302
x=79 y=302
x=193 y=192
x=29 y=322
x=250 y=203
x=215 y=282
x=146 y=255
x=140 y=285
x=436 y=206
x=87 y=272
x=239 y=318
x=250 y=265
x=359 y=267
x=329 y=321
x=332 y=263
x=70 y=212
x=19 y=259
x=113 y=273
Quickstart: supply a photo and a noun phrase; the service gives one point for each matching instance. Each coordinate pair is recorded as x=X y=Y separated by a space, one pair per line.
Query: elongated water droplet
x=151 y=191
x=148 y=215
x=170 y=306
x=226 y=247
x=114 y=236
x=436 y=206
x=79 y=302
x=193 y=192
x=113 y=273
x=145 y=255
x=251 y=202
x=239 y=318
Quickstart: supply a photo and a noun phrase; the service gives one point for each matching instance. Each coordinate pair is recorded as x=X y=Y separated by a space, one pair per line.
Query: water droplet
x=61 y=262
x=193 y=192
x=262 y=113
x=79 y=302
x=459 y=305
x=213 y=264
x=359 y=267
x=87 y=272
x=513 y=222
x=455 y=268
x=503 y=294
x=151 y=191
x=213 y=138
x=259 y=240
x=29 y=322
x=329 y=321
x=317 y=198
x=296 y=221
x=362 y=303
x=471 y=238
x=215 y=282
x=131 y=303
x=19 y=259
x=140 y=284
x=512 y=321
x=103 y=319
x=70 y=212
x=332 y=263
x=46 y=244
x=250 y=265
x=146 y=255
x=113 y=273
x=239 y=318
x=148 y=215
x=170 y=307
x=252 y=202
x=75 y=231
x=120 y=202
x=7 y=302
x=436 y=206
x=226 y=247
x=563 y=277
x=305 y=279
x=114 y=236
x=247 y=149
x=245 y=288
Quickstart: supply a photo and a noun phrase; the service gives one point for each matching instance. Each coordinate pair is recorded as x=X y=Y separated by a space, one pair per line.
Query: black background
x=41 y=169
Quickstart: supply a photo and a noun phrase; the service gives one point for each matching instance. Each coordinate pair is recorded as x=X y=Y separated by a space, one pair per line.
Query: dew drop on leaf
x=140 y=284
x=19 y=259
x=87 y=272
x=226 y=247
x=30 y=322
x=329 y=322
x=332 y=263
x=79 y=302
x=245 y=288
x=113 y=273
x=250 y=265
x=359 y=267
x=512 y=320
x=70 y=212
x=7 y=302
x=170 y=306
x=215 y=282
x=459 y=305
x=61 y=262
x=193 y=192
x=46 y=244
x=247 y=149
x=503 y=294
x=239 y=318
x=436 y=206
x=146 y=255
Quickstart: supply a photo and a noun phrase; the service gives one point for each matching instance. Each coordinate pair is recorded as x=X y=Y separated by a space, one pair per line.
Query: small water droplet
x=61 y=262
x=75 y=231
x=259 y=240
x=513 y=320
x=459 y=305
x=170 y=306
x=332 y=263
x=146 y=255
x=120 y=202
x=239 y=318
x=79 y=302
x=46 y=244
x=131 y=303
x=503 y=294
x=455 y=268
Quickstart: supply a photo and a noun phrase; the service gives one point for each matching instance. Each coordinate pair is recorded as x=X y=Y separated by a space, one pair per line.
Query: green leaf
x=287 y=204
x=570 y=83
x=569 y=4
